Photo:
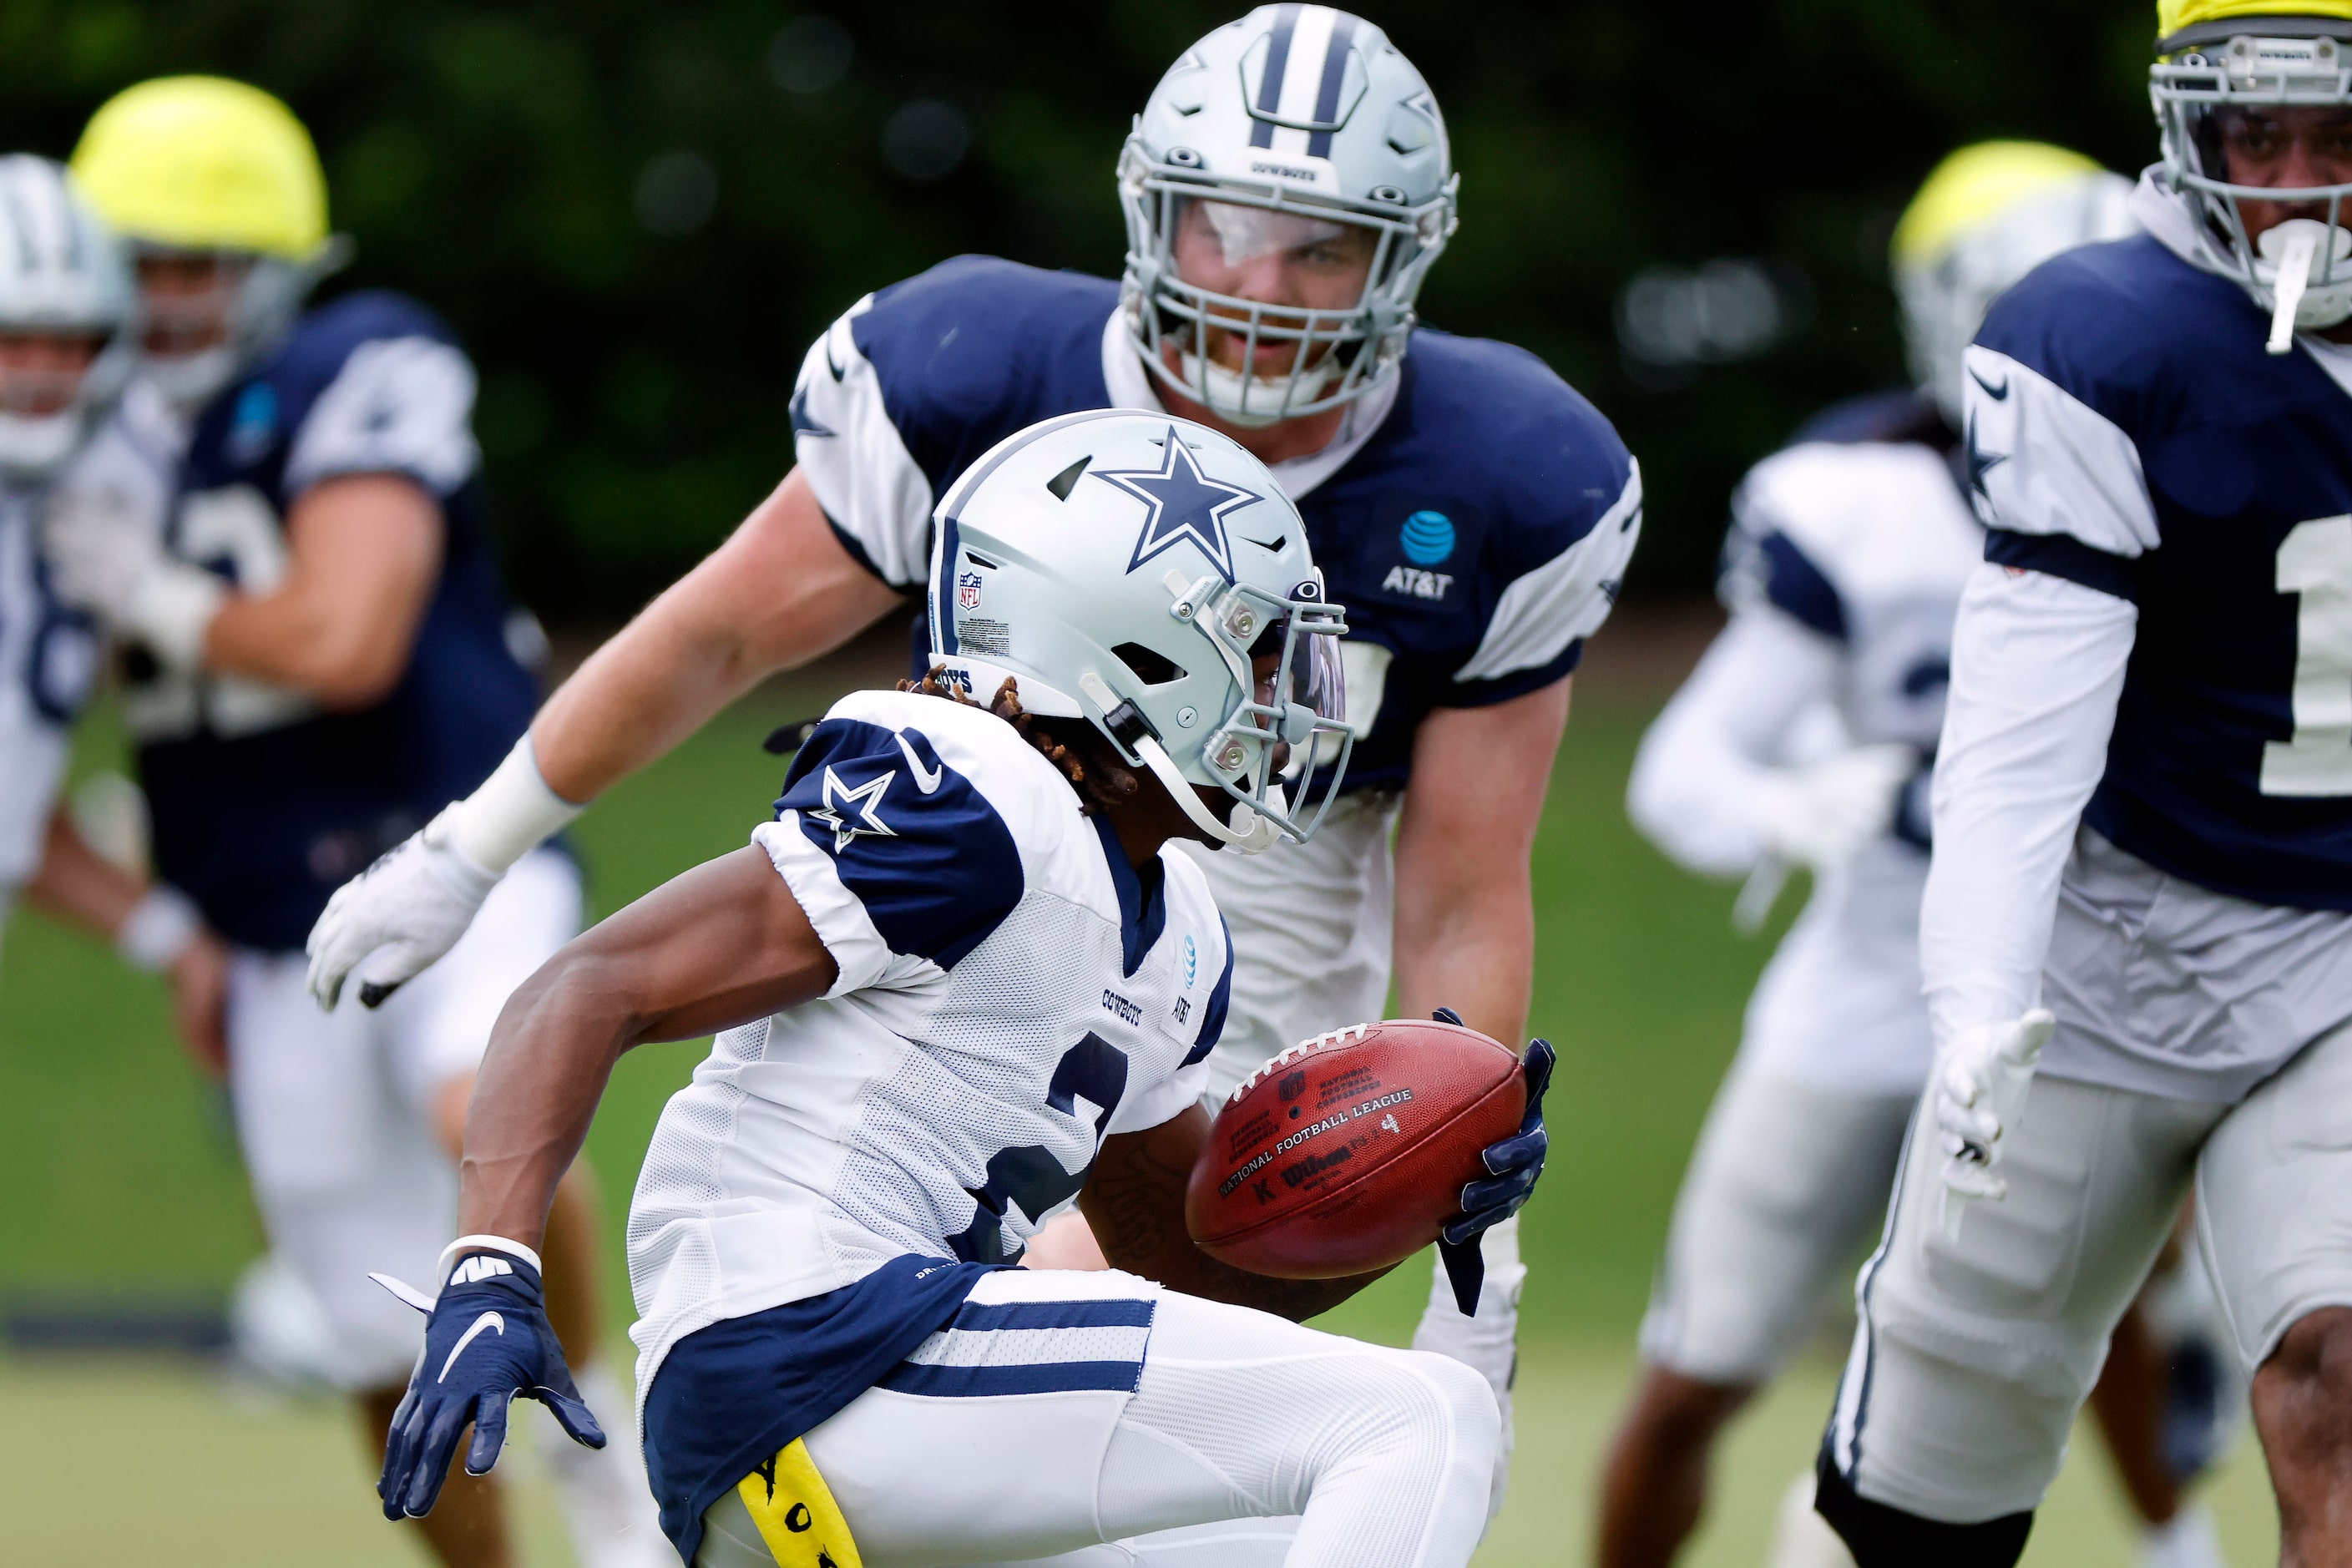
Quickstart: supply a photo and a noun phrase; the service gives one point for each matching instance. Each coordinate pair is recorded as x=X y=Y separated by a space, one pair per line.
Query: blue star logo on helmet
x=1185 y=504
x=1428 y=538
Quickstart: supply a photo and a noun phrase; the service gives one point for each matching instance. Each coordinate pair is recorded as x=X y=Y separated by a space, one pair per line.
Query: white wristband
x=175 y=609
x=158 y=930
x=487 y=1244
x=512 y=814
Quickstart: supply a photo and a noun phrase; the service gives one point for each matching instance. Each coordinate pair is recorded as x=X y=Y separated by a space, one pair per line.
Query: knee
x=1679 y=1410
x=1463 y=1409
x=2304 y=1390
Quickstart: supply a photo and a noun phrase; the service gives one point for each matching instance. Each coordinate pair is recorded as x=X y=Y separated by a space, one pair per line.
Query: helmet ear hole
x=1149 y=666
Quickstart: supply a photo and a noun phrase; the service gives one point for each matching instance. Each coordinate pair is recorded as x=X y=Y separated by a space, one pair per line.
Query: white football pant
x=1972 y=1357
x=1354 y=1455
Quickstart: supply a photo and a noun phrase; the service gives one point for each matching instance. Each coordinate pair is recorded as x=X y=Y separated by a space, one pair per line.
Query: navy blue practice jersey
x=2128 y=432
x=1473 y=514
x=264 y=802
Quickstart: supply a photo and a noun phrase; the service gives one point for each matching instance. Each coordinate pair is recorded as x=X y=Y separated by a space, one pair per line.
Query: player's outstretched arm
x=1134 y=1202
x=1465 y=909
x=719 y=945
x=724 y=943
x=2038 y=667
x=781 y=591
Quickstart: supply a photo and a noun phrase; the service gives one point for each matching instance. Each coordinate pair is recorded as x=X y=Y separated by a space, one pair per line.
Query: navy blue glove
x=1514 y=1164
x=487 y=1339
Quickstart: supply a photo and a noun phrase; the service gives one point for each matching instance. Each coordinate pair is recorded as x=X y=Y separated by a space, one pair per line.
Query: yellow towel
x=795 y=1512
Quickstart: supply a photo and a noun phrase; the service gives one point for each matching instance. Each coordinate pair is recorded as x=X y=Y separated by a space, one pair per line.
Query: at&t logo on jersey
x=1191 y=963
x=253 y=422
x=1428 y=540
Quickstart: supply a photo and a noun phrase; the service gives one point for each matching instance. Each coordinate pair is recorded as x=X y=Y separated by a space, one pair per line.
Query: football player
x=68 y=436
x=321 y=659
x=2134 y=936
x=960 y=980
x=1843 y=570
x=1286 y=188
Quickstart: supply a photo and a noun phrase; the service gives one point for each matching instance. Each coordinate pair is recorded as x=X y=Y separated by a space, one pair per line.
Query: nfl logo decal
x=968 y=590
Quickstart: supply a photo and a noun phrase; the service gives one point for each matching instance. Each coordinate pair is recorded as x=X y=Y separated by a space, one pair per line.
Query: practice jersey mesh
x=1011 y=992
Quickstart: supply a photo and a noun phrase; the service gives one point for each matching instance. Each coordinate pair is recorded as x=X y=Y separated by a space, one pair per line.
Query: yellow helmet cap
x=1978 y=184
x=207 y=164
x=2171 y=15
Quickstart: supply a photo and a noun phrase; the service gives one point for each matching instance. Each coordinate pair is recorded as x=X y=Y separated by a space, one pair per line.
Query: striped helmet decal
x=1316 y=39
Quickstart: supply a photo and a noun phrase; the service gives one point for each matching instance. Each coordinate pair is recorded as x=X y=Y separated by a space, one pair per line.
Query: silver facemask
x=2301 y=270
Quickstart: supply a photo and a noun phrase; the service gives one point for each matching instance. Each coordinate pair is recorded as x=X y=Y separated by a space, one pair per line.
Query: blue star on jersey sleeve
x=919 y=849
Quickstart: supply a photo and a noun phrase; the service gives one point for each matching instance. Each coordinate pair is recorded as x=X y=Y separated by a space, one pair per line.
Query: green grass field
x=121 y=1180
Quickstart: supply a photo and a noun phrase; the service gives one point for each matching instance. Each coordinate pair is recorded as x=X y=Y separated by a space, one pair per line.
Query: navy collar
x=1142 y=898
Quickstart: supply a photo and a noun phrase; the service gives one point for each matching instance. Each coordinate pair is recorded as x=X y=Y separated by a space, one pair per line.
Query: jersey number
x=2315 y=562
x=1095 y=1070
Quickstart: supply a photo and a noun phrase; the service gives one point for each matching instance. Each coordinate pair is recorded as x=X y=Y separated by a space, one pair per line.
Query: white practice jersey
x=49 y=654
x=1011 y=992
x=1844 y=568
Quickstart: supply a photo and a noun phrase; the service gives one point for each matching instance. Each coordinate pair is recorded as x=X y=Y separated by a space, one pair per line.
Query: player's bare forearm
x=1465 y=904
x=780 y=592
x=363 y=552
x=1134 y=1201
x=78 y=885
x=723 y=945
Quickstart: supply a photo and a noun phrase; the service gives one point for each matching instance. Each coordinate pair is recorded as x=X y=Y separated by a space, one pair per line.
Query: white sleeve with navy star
x=2042 y=464
x=901 y=864
x=1560 y=602
x=873 y=493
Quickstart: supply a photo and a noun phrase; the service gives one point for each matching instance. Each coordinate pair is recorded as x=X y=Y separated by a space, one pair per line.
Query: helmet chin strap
x=1254 y=835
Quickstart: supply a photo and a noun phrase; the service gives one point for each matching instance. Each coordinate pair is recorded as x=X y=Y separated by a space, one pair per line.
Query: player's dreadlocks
x=1080 y=751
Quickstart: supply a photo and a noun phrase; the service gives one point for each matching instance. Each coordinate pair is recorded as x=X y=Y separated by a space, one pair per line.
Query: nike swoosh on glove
x=486 y=1340
x=397 y=917
x=1980 y=1087
x=1514 y=1164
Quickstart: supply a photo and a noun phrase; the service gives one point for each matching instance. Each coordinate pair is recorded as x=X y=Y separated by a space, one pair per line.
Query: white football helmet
x=1286 y=129
x=1989 y=215
x=1128 y=569
x=2212 y=63
x=61 y=275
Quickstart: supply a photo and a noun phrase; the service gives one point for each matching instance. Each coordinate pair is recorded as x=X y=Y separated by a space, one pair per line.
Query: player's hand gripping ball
x=1354 y=1150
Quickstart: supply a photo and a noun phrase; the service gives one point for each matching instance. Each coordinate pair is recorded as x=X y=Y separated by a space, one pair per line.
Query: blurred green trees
x=638 y=215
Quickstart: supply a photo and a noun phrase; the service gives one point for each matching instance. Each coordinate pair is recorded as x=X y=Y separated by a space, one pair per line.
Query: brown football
x=1346 y=1153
